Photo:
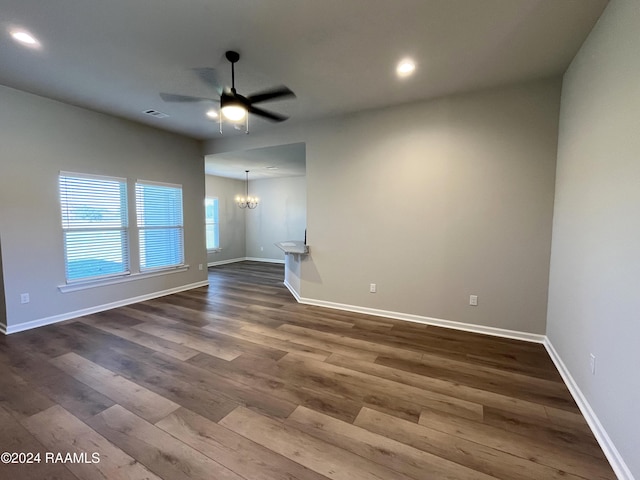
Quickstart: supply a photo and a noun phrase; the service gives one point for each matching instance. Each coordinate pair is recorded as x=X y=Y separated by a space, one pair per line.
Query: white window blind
x=160 y=225
x=94 y=224
x=212 y=223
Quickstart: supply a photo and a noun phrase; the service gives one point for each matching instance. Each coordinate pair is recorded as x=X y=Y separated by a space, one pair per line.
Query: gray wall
x=3 y=307
x=433 y=202
x=232 y=218
x=281 y=215
x=40 y=137
x=594 y=289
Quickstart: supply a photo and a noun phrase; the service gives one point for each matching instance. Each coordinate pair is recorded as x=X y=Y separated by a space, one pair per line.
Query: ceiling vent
x=155 y=113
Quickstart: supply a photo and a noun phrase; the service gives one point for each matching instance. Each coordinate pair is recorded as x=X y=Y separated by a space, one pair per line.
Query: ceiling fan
x=233 y=105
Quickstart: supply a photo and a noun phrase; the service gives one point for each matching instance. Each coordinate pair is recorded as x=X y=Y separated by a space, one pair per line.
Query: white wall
x=39 y=138
x=232 y=219
x=594 y=291
x=433 y=202
x=281 y=215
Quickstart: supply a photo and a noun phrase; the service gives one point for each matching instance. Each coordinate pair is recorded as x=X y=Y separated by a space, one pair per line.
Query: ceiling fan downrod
x=233 y=57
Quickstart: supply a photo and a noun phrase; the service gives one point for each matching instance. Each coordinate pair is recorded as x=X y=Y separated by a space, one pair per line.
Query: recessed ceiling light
x=212 y=114
x=272 y=168
x=405 y=67
x=25 y=38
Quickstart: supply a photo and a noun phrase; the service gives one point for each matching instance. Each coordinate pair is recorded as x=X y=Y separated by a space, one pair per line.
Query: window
x=160 y=226
x=211 y=223
x=94 y=224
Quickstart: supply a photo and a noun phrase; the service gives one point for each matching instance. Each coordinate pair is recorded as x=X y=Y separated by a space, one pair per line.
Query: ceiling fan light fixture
x=234 y=112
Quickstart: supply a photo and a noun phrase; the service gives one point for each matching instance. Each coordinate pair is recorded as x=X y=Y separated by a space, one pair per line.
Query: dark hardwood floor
x=238 y=381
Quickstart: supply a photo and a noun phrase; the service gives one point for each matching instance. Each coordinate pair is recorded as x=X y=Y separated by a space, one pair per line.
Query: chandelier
x=247 y=201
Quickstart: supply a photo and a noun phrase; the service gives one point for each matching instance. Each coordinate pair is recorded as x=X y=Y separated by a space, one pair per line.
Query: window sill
x=74 y=287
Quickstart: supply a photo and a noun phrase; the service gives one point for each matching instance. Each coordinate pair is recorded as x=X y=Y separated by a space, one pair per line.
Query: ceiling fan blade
x=271 y=94
x=172 y=97
x=274 y=117
x=210 y=77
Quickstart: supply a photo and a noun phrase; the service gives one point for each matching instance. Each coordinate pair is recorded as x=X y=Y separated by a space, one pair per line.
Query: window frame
x=213 y=222
x=64 y=199
x=177 y=226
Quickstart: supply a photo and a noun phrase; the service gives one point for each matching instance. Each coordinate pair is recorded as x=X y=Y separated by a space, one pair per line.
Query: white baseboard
x=21 y=327
x=266 y=260
x=3 y=328
x=293 y=292
x=245 y=259
x=225 y=262
x=611 y=452
x=467 y=327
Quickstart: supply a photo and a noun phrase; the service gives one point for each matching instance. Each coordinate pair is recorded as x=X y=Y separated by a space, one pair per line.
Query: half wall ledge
x=296 y=247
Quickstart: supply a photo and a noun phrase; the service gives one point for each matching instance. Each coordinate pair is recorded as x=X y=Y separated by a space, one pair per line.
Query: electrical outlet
x=262 y=249
x=199 y=266
x=473 y=300
x=373 y=288
x=24 y=298
x=592 y=363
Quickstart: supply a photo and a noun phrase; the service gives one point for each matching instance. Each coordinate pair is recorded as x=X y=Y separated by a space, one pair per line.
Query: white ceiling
x=338 y=56
x=267 y=162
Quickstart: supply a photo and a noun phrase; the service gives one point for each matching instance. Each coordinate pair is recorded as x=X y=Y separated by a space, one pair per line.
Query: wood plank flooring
x=237 y=381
